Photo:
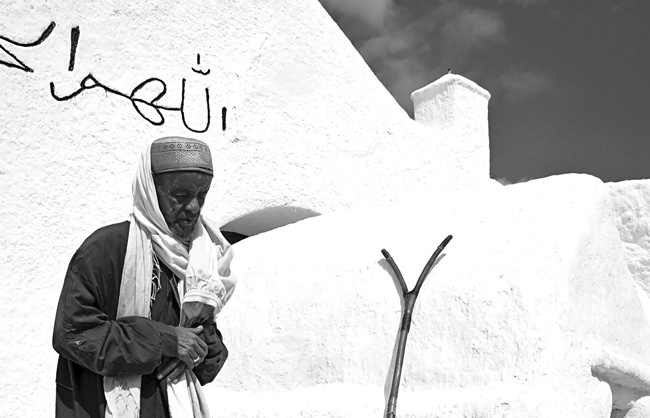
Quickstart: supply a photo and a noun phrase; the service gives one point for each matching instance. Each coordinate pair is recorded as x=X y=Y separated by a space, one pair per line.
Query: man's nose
x=193 y=206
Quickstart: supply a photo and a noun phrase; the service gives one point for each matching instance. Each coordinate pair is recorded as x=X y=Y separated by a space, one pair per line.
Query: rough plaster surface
x=531 y=312
x=640 y=409
x=308 y=124
x=457 y=105
x=632 y=202
x=309 y=128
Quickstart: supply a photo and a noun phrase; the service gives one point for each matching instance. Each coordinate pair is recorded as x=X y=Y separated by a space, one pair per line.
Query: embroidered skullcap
x=175 y=153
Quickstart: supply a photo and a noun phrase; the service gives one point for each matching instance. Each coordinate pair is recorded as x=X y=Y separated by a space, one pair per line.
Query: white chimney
x=459 y=107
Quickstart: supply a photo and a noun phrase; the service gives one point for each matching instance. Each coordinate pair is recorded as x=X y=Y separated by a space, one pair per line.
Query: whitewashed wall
x=308 y=127
x=632 y=202
x=531 y=312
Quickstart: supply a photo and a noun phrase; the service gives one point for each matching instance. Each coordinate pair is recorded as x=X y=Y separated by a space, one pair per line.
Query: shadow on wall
x=628 y=385
x=264 y=220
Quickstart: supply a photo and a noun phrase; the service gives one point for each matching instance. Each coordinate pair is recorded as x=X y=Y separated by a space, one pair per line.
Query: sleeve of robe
x=207 y=371
x=85 y=329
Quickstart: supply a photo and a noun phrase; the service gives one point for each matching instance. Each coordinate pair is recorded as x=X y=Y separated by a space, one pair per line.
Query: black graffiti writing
x=18 y=63
x=223 y=118
x=207 y=104
x=74 y=41
x=198 y=62
x=150 y=110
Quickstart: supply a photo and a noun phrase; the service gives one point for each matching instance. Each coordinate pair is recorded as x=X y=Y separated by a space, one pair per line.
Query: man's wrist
x=169 y=340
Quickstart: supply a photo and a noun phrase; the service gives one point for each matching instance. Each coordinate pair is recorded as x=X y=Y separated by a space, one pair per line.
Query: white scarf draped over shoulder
x=204 y=276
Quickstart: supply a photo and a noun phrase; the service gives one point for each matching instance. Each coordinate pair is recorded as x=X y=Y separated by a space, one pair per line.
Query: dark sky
x=570 y=79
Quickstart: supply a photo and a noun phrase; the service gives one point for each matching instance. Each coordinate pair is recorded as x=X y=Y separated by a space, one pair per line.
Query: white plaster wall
x=532 y=295
x=640 y=409
x=632 y=202
x=457 y=106
x=308 y=125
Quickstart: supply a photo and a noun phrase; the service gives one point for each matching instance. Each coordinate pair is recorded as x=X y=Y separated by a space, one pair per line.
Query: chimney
x=458 y=107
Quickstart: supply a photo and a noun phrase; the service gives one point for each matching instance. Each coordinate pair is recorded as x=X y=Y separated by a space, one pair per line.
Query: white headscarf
x=204 y=273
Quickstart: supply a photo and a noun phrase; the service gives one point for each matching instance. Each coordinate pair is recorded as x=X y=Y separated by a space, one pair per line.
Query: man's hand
x=171 y=369
x=191 y=348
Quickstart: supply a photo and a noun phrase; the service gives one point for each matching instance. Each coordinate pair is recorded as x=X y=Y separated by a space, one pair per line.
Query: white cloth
x=204 y=273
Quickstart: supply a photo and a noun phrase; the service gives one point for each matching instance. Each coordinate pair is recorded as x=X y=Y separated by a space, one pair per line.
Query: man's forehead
x=192 y=180
x=178 y=154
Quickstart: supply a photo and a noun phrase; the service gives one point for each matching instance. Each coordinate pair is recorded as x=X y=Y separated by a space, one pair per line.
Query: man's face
x=181 y=195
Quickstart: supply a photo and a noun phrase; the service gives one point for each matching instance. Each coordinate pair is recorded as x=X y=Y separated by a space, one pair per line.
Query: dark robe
x=92 y=343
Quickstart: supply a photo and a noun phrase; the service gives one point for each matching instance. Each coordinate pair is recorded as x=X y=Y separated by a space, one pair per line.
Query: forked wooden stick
x=409 y=303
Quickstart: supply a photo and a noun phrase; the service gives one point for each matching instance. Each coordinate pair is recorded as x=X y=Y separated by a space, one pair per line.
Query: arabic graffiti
x=223 y=118
x=207 y=105
x=198 y=62
x=17 y=62
x=74 y=40
x=148 y=108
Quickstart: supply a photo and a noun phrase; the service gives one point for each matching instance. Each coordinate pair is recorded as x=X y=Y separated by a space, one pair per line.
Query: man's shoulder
x=113 y=236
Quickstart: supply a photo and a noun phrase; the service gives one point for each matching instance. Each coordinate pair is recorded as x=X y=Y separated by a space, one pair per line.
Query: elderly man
x=135 y=325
